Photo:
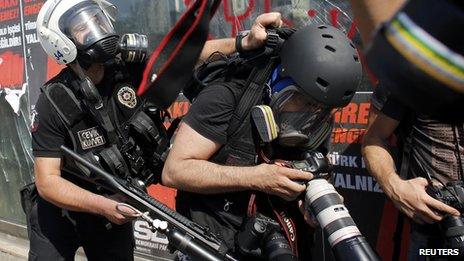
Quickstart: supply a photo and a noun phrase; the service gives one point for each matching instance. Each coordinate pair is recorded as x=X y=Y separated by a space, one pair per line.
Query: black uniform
x=210 y=115
x=435 y=147
x=55 y=234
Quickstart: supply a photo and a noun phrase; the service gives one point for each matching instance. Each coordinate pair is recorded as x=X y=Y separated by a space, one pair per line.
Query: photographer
x=433 y=148
x=90 y=106
x=421 y=101
x=216 y=169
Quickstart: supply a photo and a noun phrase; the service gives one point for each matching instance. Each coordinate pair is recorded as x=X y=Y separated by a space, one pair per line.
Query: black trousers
x=55 y=234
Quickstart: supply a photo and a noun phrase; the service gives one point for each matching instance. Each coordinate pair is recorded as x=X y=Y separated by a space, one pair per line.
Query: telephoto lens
x=344 y=237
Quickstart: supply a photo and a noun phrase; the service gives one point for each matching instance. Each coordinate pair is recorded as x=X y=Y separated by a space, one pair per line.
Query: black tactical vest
x=86 y=135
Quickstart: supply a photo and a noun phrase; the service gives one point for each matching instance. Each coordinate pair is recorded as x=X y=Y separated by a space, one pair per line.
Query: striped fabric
x=426 y=52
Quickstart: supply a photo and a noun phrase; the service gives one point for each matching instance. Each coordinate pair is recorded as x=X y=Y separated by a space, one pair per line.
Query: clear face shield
x=88 y=26
x=301 y=122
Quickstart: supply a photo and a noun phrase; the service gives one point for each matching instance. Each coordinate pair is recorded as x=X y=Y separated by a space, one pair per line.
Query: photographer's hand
x=280 y=181
x=258 y=34
x=255 y=39
x=411 y=198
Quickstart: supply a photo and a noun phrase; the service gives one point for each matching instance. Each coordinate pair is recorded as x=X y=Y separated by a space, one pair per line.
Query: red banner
x=12 y=70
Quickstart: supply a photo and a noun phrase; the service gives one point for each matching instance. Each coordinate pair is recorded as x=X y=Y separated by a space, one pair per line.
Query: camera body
x=452 y=194
x=314 y=162
x=452 y=228
x=263 y=236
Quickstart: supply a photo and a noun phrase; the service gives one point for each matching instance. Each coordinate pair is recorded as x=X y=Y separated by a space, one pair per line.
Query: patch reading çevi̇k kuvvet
x=90 y=138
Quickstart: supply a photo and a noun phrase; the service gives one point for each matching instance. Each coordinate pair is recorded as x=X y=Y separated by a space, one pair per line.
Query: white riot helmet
x=70 y=29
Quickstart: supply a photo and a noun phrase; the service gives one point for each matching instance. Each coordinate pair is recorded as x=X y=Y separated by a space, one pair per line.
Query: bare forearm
x=379 y=163
x=225 y=46
x=65 y=194
x=205 y=177
x=370 y=13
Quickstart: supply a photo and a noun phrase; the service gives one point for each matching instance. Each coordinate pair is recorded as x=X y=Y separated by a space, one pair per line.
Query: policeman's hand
x=257 y=36
x=110 y=211
x=280 y=181
x=411 y=198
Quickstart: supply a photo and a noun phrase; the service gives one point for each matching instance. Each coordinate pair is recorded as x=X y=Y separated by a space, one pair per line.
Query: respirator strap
x=165 y=75
x=252 y=96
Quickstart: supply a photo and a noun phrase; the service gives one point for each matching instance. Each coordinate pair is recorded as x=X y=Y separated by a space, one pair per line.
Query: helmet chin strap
x=77 y=68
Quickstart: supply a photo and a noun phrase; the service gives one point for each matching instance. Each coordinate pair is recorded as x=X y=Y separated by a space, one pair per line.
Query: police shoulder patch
x=127 y=97
x=90 y=138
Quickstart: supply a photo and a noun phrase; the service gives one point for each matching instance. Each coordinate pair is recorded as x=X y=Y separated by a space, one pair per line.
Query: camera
x=452 y=227
x=324 y=203
x=261 y=232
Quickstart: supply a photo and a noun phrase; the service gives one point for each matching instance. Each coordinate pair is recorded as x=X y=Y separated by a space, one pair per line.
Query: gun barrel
x=185 y=234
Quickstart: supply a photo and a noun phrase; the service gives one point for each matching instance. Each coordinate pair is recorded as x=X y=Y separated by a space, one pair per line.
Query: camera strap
x=457 y=143
x=169 y=68
x=281 y=214
x=288 y=226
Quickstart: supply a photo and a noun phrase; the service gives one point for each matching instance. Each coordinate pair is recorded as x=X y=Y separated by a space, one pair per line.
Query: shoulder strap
x=94 y=104
x=63 y=100
x=252 y=95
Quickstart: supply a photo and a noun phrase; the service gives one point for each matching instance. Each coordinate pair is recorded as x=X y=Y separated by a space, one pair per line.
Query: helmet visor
x=89 y=26
x=296 y=114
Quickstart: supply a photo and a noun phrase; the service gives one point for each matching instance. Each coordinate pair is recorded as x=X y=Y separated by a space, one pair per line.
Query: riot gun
x=183 y=234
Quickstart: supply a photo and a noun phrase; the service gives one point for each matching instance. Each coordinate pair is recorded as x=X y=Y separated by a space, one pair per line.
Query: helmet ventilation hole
x=322 y=27
x=323 y=84
x=330 y=48
x=327 y=36
x=356 y=58
x=352 y=45
x=348 y=93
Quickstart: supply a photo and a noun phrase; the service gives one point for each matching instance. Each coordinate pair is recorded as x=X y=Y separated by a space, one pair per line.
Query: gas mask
x=91 y=30
x=293 y=121
x=301 y=122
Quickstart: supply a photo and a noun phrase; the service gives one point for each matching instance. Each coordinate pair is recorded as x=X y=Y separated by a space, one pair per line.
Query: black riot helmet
x=91 y=30
x=324 y=64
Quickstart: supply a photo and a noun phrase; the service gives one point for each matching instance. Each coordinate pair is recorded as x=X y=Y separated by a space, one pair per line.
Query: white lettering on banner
x=356 y=182
x=142 y=249
x=31 y=38
x=10 y=37
x=10 y=42
x=30 y=25
x=142 y=232
x=13 y=29
x=345 y=160
x=151 y=245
